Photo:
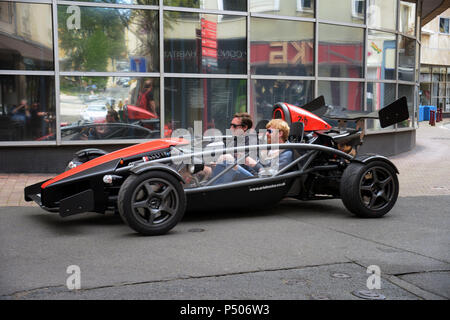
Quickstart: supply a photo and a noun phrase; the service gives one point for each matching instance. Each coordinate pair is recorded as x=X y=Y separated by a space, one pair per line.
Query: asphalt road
x=296 y=250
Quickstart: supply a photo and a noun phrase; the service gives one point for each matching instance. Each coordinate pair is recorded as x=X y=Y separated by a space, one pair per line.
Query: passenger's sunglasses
x=235 y=125
x=269 y=131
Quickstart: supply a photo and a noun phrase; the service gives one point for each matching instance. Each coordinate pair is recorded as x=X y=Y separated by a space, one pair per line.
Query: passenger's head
x=241 y=123
x=148 y=84
x=277 y=131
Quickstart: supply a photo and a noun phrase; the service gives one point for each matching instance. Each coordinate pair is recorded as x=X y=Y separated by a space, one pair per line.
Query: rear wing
x=391 y=114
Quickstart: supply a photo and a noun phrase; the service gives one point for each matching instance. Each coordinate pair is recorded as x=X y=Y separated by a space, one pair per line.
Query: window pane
x=296 y=8
x=379 y=95
x=104 y=108
x=425 y=74
x=108 y=39
x=345 y=94
x=407 y=17
x=425 y=93
x=280 y=47
x=408 y=92
x=447 y=99
x=212 y=101
x=341 y=51
x=26 y=39
x=436 y=74
x=139 y=2
x=444 y=25
x=27 y=108
x=265 y=93
x=231 y=5
x=381 y=55
x=382 y=14
x=352 y=11
x=205 y=43
x=406 y=57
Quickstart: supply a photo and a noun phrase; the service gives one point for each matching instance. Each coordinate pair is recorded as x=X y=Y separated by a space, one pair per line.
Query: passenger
x=277 y=132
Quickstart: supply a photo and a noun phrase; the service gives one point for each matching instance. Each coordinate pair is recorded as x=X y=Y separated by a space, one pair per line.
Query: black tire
x=369 y=190
x=151 y=203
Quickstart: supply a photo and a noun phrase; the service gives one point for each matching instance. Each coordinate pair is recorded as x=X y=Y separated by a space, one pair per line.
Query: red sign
x=209 y=43
x=208 y=52
x=209 y=24
x=207 y=33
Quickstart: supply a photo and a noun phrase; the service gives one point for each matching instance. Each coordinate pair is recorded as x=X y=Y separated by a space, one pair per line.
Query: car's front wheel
x=369 y=190
x=151 y=203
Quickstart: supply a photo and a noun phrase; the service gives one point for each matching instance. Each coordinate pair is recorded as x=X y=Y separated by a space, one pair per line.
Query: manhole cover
x=196 y=230
x=340 y=275
x=319 y=297
x=369 y=295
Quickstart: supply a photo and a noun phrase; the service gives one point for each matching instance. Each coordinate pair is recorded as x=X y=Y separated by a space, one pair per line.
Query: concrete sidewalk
x=424 y=171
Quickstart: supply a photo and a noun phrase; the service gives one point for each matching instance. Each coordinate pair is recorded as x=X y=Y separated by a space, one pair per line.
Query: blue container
x=421 y=113
x=426 y=113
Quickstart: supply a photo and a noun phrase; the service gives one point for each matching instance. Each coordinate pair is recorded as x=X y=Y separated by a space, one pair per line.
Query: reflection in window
x=205 y=43
x=27 y=108
x=26 y=40
x=107 y=39
x=444 y=25
x=381 y=55
x=296 y=8
x=425 y=93
x=139 y=2
x=351 y=11
x=229 y=5
x=212 y=101
x=280 y=47
x=406 y=56
x=341 y=51
x=348 y=95
x=408 y=92
x=407 y=22
x=382 y=14
x=266 y=93
x=99 y=108
x=379 y=95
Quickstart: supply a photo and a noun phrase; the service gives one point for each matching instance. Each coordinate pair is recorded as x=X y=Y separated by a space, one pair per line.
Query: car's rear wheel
x=151 y=203
x=369 y=190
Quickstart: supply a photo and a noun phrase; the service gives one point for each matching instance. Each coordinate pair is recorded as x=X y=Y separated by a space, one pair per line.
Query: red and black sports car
x=152 y=184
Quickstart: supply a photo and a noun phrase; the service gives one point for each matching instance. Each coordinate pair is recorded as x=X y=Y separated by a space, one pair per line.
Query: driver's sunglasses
x=235 y=125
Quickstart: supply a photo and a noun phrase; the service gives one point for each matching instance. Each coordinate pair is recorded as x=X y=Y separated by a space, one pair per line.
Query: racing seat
x=296 y=132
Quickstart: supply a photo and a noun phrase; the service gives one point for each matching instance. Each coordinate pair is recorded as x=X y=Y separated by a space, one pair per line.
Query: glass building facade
x=120 y=71
x=435 y=87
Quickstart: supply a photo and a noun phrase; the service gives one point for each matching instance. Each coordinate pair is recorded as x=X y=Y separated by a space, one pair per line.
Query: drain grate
x=368 y=295
x=196 y=230
x=340 y=275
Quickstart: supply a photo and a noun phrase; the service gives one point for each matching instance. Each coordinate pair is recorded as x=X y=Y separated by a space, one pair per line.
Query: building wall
x=435 y=45
x=116 y=73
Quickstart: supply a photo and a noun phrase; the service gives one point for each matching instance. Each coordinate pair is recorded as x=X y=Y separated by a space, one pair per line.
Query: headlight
x=72 y=164
x=108 y=179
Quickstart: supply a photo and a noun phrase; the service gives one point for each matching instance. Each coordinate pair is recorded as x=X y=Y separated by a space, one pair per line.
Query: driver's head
x=277 y=131
x=241 y=123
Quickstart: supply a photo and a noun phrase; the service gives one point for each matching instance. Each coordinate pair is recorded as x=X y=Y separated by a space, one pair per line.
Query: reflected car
x=94 y=112
x=103 y=131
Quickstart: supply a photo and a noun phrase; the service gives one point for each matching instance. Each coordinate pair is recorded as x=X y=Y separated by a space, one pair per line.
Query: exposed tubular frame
x=312 y=152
